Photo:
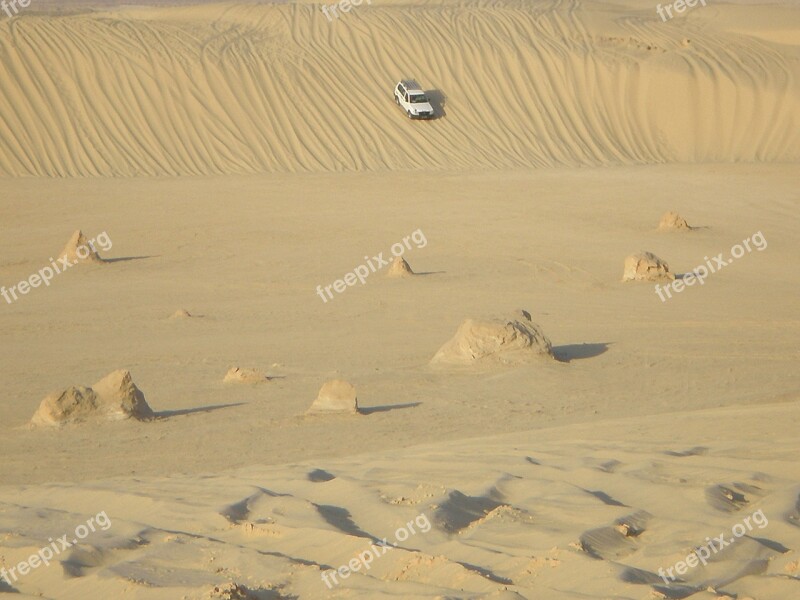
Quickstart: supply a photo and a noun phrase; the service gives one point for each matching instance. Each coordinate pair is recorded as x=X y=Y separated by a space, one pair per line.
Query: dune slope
x=264 y=88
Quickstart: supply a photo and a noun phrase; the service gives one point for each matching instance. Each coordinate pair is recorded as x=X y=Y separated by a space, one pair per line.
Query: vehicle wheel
x=409 y=114
x=397 y=100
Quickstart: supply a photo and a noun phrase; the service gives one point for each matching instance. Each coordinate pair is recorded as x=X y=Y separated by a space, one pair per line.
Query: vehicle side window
x=400 y=89
x=405 y=96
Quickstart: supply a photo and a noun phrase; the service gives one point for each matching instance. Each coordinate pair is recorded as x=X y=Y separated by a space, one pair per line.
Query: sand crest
x=507 y=341
x=645 y=266
x=78 y=250
x=335 y=396
x=113 y=398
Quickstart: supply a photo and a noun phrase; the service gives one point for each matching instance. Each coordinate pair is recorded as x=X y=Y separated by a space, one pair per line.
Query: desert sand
x=550 y=431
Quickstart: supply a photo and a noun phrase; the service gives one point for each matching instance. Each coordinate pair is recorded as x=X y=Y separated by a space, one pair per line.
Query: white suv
x=409 y=95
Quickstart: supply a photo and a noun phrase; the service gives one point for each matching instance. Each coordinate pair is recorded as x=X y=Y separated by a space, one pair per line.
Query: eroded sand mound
x=399 y=268
x=507 y=341
x=672 y=221
x=645 y=266
x=181 y=313
x=78 y=250
x=336 y=396
x=240 y=375
x=113 y=398
x=232 y=591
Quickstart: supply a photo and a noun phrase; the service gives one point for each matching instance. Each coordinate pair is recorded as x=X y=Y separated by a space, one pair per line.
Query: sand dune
x=264 y=88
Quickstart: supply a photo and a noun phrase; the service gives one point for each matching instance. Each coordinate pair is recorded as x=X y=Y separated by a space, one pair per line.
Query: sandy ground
x=248 y=253
x=585 y=511
x=246 y=257
x=237 y=156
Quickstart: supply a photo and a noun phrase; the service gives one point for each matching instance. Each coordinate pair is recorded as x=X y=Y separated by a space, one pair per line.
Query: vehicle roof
x=411 y=85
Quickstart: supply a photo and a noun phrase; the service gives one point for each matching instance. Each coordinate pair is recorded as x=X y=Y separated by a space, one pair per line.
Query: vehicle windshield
x=418 y=99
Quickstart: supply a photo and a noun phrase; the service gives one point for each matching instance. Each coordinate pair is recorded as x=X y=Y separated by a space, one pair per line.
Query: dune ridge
x=232 y=88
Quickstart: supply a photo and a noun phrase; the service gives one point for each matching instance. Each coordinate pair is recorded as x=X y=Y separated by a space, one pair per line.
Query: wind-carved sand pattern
x=731 y=497
x=615 y=541
x=519 y=518
x=205 y=89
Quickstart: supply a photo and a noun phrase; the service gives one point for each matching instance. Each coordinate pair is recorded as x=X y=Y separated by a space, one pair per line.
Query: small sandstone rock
x=113 y=398
x=645 y=266
x=78 y=250
x=506 y=341
x=399 y=268
x=230 y=591
x=672 y=221
x=336 y=396
x=240 y=375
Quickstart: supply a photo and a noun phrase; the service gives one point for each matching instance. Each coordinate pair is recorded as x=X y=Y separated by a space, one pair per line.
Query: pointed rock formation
x=645 y=266
x=399 y=268
x=78 y=250
x=113 y=398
